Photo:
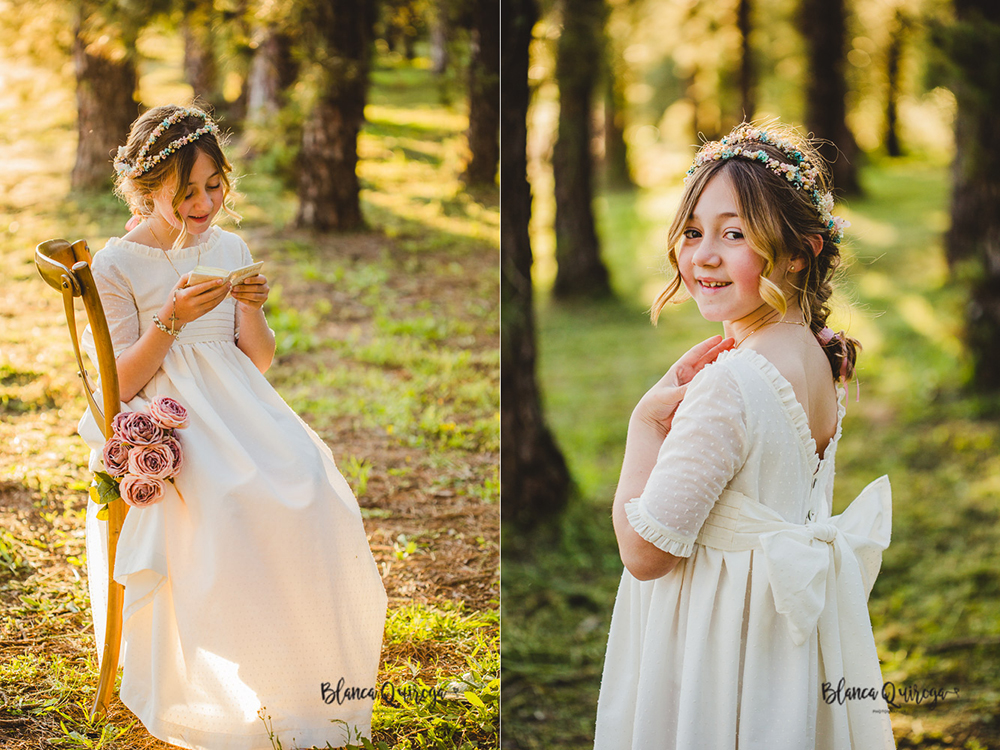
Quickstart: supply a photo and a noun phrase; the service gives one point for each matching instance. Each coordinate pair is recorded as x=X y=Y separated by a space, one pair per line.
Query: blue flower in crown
x=144 y=162
x=800 y=173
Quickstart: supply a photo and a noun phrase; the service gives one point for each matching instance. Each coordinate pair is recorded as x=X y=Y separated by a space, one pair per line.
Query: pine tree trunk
x=200 y=68
x=106 y=107
x=439 y=38
x=328 y=181
x=822 y=26
x=581 y=271
x=893 y=55
x=272 y=73
x=534 y=479
x=748 y=98
x=617 y=172
x=973 y=242
x=484 y=95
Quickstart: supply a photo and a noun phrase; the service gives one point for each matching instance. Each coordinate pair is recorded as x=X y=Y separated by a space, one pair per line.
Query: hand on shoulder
x=657 y=407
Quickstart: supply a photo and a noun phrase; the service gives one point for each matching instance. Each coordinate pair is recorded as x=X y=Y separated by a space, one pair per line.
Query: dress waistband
x=215 y=325
x=738 y=522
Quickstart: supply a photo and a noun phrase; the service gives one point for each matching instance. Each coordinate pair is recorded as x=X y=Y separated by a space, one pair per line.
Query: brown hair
x=778 y=220
x=137 y=192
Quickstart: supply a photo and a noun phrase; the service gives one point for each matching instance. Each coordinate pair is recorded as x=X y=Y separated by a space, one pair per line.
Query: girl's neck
x=164 y=235
x=761 y=319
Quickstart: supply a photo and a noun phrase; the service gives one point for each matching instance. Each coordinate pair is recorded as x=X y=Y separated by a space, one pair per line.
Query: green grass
x=935 y=607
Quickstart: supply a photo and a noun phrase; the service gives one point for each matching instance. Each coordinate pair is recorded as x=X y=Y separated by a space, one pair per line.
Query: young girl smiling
x=743 y=600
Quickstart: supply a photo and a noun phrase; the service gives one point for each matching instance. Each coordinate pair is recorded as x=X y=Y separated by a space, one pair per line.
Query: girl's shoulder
x=224 y=235
x=732 y=364
x=743 y=363
x=112 y=255
x=720 y=381
x=742 y=375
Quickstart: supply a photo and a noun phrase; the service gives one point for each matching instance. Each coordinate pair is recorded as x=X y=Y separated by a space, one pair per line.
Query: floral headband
x=144 y=162
x=802 y=174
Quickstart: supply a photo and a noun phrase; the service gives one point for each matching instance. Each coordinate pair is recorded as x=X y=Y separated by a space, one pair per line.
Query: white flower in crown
x=144 y=162
x=802 y=174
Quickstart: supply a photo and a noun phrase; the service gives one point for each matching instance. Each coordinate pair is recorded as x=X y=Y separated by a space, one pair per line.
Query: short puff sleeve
x=120 y=308
x=705 y=448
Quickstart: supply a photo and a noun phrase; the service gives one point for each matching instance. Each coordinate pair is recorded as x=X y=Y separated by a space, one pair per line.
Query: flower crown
x=144 y=162
x=800 y=172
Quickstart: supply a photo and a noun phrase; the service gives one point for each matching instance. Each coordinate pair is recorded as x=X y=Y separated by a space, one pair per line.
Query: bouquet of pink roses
x=142 y=453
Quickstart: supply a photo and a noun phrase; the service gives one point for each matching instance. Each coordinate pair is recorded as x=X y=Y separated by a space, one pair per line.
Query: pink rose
x=176 y=456
x=137 y=428
x=115 y=456
x=139 y=491
x=153 y=461
x=168 y=413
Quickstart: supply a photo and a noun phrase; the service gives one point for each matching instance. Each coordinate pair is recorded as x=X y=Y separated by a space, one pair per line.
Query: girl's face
x=718 y=267
x=203 y=197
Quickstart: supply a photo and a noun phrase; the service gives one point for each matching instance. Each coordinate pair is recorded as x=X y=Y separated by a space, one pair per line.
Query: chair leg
x=117 y=510
x=112 y=650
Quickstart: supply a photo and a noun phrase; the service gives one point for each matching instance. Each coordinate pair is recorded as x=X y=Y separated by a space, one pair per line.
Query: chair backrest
x=66 y=268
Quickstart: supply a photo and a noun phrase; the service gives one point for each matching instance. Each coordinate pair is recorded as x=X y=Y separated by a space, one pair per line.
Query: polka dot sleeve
x=119 y=305
x=706 y=446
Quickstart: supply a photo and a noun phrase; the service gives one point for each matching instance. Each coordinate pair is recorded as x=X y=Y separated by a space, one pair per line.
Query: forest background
x=365 y=138
x=614 y=98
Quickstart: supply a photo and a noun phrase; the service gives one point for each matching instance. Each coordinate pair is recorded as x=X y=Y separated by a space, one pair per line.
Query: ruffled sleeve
x=119 y=305
x=705 y=448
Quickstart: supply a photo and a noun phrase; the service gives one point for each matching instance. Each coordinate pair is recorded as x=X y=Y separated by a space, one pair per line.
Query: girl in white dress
x=741 y=620
x=250 y=586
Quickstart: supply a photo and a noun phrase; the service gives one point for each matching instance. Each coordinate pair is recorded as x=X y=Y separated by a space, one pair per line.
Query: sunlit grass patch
x=439 y=399
x=440 y=680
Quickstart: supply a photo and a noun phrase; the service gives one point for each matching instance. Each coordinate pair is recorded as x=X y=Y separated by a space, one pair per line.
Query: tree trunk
x=534 y=479
x=484 y=95
x=617 y=172
x=201 y=71
x=272 y=73
x=581 y=271
x=328 y=181
x=822 y=26
x=106 y=107
x=748 y=98
x=439 y=38
x=973 y=242
x=893 y=55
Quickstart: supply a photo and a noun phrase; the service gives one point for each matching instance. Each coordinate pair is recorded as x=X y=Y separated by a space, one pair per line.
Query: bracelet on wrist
x=175 y=332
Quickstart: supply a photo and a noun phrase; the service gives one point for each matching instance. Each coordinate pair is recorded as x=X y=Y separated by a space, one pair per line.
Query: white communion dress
x=732 y=649
x=251 y=585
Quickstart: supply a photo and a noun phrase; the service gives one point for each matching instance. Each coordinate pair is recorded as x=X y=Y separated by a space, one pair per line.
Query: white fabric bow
x=799 y=560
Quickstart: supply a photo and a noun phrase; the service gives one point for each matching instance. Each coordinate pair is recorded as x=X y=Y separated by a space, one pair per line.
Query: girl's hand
x=252 y=293
x=193 y=301
x=657 y=407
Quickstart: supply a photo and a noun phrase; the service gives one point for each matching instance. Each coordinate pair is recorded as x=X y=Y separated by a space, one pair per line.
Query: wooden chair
x=66 y=268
